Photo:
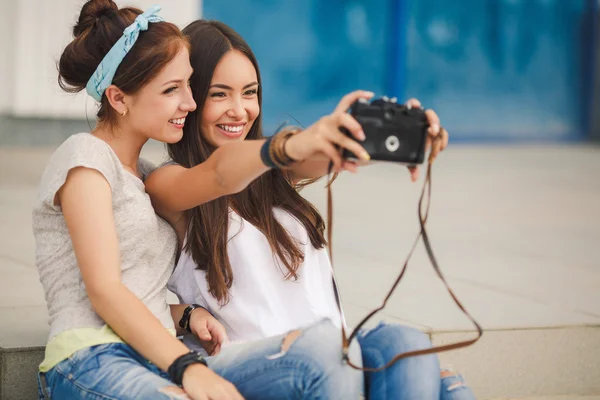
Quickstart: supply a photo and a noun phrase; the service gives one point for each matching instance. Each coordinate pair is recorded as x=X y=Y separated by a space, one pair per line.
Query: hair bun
x=91 y=12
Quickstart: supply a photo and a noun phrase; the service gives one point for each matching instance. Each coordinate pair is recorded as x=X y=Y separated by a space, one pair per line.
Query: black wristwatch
x=180 y=364
x=184 y=322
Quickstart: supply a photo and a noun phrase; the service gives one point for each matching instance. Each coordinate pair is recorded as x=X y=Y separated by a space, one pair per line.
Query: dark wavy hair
x=207 y=229
x=101 y=23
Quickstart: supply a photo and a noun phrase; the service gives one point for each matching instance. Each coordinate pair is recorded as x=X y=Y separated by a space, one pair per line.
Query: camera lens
x=392 y=143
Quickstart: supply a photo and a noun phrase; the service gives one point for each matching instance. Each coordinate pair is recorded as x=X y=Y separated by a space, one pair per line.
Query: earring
x=124 y=112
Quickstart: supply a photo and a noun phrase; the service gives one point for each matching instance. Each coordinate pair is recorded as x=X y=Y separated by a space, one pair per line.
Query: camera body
x=394 y=132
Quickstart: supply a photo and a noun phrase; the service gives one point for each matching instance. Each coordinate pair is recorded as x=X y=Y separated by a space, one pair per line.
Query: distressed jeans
x=412 y=378
x=310 y=368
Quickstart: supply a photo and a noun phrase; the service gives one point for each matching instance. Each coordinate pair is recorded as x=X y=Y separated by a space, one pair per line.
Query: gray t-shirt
x=147 y=243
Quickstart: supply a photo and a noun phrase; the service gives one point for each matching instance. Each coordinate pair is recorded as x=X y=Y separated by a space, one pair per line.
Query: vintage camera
x=394 y=132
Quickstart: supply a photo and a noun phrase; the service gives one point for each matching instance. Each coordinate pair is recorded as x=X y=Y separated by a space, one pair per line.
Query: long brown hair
x=207 y=230
x=101 y=23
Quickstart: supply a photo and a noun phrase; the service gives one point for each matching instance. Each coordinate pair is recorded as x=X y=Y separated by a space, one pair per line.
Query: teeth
x=235 y=129
x=178 y=121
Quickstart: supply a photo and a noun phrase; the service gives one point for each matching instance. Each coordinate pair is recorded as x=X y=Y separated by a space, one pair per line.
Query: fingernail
x=361 y=135
x=435 y=128
x=370 y=93
x=365 y=156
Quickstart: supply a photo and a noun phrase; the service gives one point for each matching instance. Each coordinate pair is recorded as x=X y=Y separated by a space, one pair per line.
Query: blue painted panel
x=310 y=52
x=510 y=69
x=492 y=69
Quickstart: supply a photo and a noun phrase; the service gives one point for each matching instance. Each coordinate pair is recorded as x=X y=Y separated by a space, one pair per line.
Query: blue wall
x=492 y=69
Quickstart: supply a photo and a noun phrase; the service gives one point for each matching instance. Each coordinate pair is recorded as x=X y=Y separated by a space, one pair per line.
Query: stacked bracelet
x=273 y=152
x=277 y=149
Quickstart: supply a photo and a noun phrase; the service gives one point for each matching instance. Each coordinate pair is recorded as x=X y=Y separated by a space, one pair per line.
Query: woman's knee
x=381 y=344
x=323 y=341
x=395 y=338
x=454 y=387
x=320 y=347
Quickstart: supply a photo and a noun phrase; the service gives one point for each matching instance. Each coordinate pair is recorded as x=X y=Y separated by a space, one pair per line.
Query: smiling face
x=158 y=110
x=231 y=105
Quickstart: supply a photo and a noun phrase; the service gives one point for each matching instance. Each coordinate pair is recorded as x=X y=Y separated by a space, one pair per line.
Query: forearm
x=314 y=167
x=229 y=169
x=136 y=325
x=237 y=164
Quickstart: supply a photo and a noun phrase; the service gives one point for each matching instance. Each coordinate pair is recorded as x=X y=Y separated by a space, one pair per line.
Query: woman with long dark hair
x=255 y=256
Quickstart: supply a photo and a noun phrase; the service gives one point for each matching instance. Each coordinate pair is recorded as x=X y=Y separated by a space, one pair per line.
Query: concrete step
x=18 y=369
x=521 y=363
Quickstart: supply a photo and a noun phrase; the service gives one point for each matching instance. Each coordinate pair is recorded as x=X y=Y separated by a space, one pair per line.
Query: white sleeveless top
x=262 y=303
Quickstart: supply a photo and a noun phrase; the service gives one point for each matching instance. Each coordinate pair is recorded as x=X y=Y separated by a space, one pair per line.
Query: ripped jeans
x=310 y=368
x=410 y=378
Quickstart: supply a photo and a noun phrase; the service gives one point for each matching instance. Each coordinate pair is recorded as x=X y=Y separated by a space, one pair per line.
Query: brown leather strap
x=423 y=215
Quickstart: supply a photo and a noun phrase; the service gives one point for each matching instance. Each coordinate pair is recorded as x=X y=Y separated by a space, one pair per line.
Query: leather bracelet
x=277 y=147
x=273 y=154
x=178 y=367
x=184 y=322
x=275 y=143
x=280 y=153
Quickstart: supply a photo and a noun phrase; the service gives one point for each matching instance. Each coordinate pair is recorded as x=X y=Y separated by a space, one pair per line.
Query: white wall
x=179 y=12
x=7 y=49
x=33 y=34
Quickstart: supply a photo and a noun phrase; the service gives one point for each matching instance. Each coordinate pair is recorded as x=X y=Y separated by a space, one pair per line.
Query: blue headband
x=104 y=74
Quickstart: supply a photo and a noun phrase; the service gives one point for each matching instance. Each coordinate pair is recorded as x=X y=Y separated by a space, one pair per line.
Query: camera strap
x=423 y=213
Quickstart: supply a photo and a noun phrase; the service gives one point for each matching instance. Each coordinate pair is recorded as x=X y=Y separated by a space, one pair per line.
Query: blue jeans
x=310 y=368
x=409 y=378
